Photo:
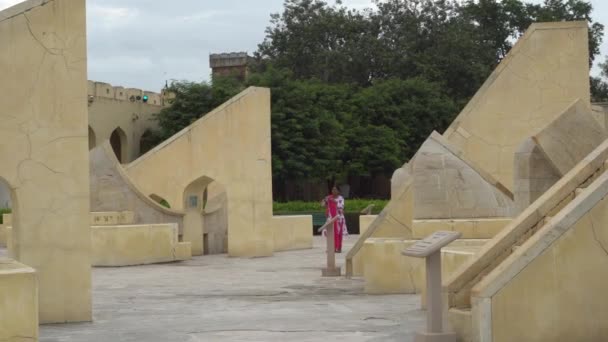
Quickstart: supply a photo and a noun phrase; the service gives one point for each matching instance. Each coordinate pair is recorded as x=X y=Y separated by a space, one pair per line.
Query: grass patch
x=351 y=205
x=4 y=211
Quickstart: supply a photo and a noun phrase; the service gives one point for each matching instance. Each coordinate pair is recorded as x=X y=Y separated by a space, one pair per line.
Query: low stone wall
x=18 y=302
x=387 y=271
x=137 y=245
x=292 y=232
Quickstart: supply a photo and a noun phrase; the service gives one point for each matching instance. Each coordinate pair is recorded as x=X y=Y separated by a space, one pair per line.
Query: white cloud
x=111 y=17
x=141 y=43
x=205 y=15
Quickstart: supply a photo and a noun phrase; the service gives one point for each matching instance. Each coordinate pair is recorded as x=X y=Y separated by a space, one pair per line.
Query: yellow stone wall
x=18 y=302
x=128 y=245
x=546 y=71
x=44 y=150
x=109 y=110
x=292 y=232
x=364 y=222
x=387 y=271
x=558 y=295
x=230 y=145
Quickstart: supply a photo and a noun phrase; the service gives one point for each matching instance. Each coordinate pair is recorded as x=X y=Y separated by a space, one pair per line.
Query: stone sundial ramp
x=542 y=277
x=438 y=183
x=546 y=70
x=230 y=146
x=112 y=190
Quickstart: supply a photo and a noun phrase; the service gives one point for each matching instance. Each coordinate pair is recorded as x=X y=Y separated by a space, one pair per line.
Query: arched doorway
x=206 y=217
x=215 y=215
x=118 y=140
x=92 y=139
x=7 y=206
x=5 y=195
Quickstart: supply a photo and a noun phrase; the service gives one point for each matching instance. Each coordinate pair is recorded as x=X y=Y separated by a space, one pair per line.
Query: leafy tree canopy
x=355 y=92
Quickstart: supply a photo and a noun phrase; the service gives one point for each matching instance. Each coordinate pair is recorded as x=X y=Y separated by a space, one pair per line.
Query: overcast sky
x=142 y=43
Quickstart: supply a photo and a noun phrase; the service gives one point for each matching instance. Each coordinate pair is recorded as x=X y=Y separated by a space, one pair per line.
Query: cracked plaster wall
x=546 y=70
x=43 y=149
x=112 y=191
x=447 y=186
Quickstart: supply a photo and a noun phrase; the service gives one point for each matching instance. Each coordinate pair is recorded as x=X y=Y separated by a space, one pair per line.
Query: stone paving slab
x=215 y=298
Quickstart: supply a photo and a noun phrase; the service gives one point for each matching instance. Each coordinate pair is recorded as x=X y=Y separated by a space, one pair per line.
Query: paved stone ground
x=215 y=298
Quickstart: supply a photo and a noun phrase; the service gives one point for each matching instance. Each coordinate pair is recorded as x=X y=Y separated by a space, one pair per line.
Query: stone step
x=460 y=322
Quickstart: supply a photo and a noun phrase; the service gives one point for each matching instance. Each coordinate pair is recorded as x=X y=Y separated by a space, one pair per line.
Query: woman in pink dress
x=334 y=204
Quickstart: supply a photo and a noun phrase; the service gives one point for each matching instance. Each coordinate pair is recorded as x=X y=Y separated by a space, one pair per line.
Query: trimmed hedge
x=351 y=205
x=4 y=211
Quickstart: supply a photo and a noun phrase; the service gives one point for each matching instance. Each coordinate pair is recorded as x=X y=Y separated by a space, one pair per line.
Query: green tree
x=315 y=40
x=308 y=118
x=192 y=101
x=372 y=150
x=570 y=10
x=599 y=86
x=412 y=108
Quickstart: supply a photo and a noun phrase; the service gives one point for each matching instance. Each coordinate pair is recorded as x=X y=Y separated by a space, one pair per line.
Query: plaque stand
x=331 y=270
x=430 y=249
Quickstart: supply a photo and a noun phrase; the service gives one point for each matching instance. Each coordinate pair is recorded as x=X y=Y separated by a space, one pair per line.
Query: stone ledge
x=292 y=232
x=137 y=245
x=482 y=228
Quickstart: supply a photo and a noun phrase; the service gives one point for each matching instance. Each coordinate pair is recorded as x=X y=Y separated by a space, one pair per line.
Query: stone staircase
x=513 y=245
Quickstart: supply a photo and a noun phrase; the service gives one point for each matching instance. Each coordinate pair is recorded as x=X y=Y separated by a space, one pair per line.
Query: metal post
x=430 y=249
x=433 y=294
x=331 y=270
x=331 y=254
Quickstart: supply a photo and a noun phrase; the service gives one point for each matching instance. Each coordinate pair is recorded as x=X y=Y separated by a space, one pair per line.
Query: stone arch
x=118 y=140
x=206 y=216
x=92 y=139
x=5 y=194
x=8 y=196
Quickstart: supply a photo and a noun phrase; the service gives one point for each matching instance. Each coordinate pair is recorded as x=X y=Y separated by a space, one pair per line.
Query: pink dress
x=335 y=207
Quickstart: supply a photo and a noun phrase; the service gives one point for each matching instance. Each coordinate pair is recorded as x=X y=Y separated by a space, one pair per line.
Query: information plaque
x=431 y=244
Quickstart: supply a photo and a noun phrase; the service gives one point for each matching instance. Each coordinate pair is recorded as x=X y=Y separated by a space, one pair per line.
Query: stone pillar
x=44 y=149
